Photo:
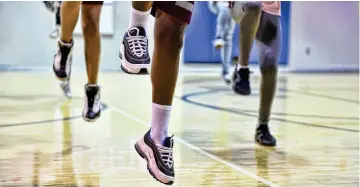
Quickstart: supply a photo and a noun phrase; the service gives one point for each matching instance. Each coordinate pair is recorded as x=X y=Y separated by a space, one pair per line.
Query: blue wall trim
x=201 y=31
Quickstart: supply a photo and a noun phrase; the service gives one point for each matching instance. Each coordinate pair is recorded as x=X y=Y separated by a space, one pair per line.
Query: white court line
x=195 y=148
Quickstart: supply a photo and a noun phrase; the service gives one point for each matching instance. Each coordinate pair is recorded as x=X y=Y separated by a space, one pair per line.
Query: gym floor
x=45 y=142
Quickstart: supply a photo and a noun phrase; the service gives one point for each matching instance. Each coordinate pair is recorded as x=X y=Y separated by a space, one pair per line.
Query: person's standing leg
x=226 y=51
x=134 y=50
x=57 y=20
x=90 y=14
x=156 y=146
x=63 y=57
x=268 y=40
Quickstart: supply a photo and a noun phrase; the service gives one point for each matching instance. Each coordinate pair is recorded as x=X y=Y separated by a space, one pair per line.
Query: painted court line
x=195 y=148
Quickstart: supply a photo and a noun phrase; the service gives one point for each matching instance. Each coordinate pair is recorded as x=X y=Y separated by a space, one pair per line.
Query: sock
x=92 y=85
x=66 y=44
x=241 y=67
x=138 y=18
x=159 y=122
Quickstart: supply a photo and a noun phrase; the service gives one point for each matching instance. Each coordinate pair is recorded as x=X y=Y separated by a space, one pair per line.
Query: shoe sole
x=130 y=68
x=265 y=145
x=151 y=163
x=240 y=92
x=89 y=119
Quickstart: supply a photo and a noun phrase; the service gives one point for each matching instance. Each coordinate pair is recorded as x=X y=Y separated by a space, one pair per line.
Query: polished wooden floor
x=45 y=142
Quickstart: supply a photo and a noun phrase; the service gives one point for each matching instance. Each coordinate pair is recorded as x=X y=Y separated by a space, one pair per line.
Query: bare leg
x=155 y=145
x=248 y=27
x=69 y=17
x=169 y=33
x=142 y=5
x=90 y=27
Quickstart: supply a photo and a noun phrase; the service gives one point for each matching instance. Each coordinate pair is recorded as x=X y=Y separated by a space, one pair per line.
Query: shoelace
x=166 y=156
x=137 y=45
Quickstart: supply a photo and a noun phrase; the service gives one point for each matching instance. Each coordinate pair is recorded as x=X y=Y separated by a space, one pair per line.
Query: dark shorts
x=269 y=28
x=181 y=10
x=92 y=2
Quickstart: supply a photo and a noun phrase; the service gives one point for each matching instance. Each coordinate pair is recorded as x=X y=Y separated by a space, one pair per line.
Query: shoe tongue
x=92 y=90
x=137 y=31
x=168 y=142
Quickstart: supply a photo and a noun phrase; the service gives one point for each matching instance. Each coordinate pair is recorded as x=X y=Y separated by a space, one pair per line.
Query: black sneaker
x=92 y=105
x=62 y=60
x=134 y=51
x=241 y=84
x=159 y=158
x=263 y=136
x=62 y=66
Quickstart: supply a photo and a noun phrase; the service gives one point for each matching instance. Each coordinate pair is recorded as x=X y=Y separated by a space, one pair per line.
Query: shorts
x=269 y=28
x=181 y=10
x=92 y=2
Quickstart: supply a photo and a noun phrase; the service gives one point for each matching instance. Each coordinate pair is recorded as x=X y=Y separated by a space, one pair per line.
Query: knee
x=170 y=33
x=90 y=25
x=269 y=63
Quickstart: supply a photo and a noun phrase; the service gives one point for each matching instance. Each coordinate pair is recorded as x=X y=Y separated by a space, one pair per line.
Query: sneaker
x=218 y=43
x=159 y=158
x=227 y=77
x=55 y=33
x=62 y=61
x=263 y=136
x=92 y=105
x=65 y=86
x=241 y=84
x=134 y=51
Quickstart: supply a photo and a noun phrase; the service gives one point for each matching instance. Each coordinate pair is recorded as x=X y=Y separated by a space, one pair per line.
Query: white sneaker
x=218 y=43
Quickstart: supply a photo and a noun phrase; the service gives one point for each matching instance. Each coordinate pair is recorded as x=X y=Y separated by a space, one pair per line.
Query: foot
x=241 y=84
x=92 y=105
x=134 y=51
x=62 y=61
x=227 y=77
x=159 y=158
x=65 y=86
x=263 y=136
x=219 y=43
x=55 y=33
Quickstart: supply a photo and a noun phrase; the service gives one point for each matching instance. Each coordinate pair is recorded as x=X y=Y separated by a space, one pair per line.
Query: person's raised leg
x=134 y=47
x=248 y=27
x=90 y=13
x=156 y=146
x=268 y=42
x=63 y=57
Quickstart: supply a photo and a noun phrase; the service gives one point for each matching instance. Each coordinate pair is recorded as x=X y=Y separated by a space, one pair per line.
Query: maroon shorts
x=92 y=2
x=181 y=10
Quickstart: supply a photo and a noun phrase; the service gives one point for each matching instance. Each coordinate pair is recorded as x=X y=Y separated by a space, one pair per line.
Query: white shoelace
x=166 y=156
x=137 y=44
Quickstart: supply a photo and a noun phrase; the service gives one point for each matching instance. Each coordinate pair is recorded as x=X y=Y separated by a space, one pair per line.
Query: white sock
x=242 y=67
x=159 y=122
x=139 y=18
x=65 y=44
